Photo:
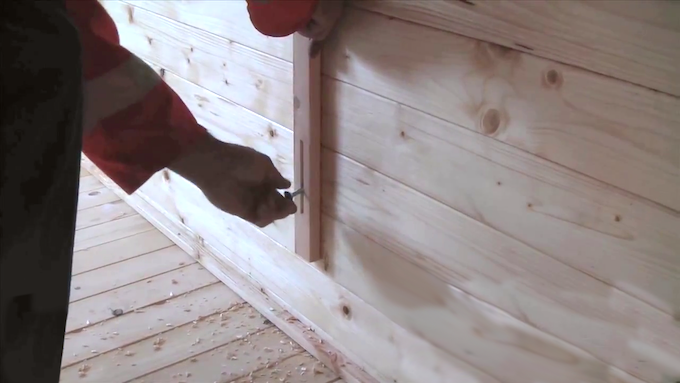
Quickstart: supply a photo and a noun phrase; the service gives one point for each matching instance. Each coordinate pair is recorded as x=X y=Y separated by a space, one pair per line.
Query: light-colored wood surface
x=252 y=272
x=602 y=36
x=247 y=77
x=616 y=132
x=490 y=216
x=178 y=322
x=488 y=262
x=228 y=19
x=232 y=123
x=307 y=148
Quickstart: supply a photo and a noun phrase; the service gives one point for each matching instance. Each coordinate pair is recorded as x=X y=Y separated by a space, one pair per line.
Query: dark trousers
x=40 y=152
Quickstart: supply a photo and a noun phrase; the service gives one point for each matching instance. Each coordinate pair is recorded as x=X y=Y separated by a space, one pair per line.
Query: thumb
x=277 y=180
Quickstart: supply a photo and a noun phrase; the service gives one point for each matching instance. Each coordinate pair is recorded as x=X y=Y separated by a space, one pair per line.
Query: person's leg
x=40 y=160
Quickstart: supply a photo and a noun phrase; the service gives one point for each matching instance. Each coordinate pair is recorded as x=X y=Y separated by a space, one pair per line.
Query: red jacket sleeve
x=134 y=124
x=280 y=18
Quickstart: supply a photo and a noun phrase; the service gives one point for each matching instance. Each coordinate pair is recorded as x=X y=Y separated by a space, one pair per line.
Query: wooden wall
x=501 y=183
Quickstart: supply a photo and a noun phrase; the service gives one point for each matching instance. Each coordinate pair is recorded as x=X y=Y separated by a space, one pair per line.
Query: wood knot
x=491 y=122
x=346 y=311
x=402 y=134
x=131 y=14
x=162 y=72
x=552 y=79
x=94 y=193
x=166 y=175
x=296 y=103
x=271 y=132
x=617 y=218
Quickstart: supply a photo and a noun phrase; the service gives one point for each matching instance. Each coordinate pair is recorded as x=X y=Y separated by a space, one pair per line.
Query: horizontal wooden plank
x=103 y=213
x=176 y=346
x=613 y=131
x=228 y=19
x=636 y=41
x=366 y=337
x=91 y=311
x=129 y=271
x=505 y=356
x=96 y=197
x=600 y=230
x=110 y=231
x=497 y=269
x=231 y=361
x=254 y=80
x=89 y=183
x=120 y=331
x=119 y=250
x=232 y=123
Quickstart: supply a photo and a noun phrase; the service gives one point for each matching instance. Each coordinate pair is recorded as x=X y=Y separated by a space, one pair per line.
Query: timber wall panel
x=238 y=93
x=250 y=78
x=548 y=213
x=447 y=252
x=386 y=350
x=616 y=132
x=228 y=19
x=636 y=41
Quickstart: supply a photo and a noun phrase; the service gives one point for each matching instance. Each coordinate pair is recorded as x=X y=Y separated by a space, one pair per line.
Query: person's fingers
x=276 y=179
x=273 y=207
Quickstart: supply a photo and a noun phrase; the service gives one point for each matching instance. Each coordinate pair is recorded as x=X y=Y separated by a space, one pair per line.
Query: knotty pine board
x=109 y=231
x=281 y=279
x=252 y=79
x=119 y=250
x=126 y=272
x=94 y=198
x=612 y=235
x=610 y=130
x=103 y=213
x=201 y=217
x=227 y=19
x=232 y=123
x=635 y=41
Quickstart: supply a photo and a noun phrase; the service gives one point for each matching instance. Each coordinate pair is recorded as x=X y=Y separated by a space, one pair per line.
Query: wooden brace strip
x=307 y=148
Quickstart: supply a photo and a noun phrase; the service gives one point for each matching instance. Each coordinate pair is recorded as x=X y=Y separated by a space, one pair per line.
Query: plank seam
x=127 y=259
x=192 y=262
x=590 y=179
x=144 y=338
x=114 y=240
x=194 y=356
x=359 y=8
x=168 y=19
x=76 y=330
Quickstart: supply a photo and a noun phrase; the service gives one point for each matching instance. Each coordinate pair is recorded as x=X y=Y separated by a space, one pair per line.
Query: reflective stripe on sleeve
x=116 y=90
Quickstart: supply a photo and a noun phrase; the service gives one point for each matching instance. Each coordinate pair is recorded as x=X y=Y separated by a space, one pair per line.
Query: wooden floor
x=142 y=310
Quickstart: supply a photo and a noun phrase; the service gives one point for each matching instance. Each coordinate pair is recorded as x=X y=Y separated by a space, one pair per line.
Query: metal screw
x=293 y=194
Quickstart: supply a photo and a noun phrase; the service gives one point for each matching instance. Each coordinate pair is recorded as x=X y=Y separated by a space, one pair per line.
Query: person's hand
x=238 y=180
x=326 y=15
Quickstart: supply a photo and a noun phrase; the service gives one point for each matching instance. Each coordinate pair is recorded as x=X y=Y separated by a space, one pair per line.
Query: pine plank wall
x=501 y=183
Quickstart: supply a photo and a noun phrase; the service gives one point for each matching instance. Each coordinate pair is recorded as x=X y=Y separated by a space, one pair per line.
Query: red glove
x=280 y=18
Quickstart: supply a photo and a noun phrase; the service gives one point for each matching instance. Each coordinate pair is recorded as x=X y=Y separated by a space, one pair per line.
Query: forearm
x=134 y=124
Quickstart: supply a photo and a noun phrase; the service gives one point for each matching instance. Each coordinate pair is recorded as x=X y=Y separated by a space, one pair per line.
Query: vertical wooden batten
x=307 y=148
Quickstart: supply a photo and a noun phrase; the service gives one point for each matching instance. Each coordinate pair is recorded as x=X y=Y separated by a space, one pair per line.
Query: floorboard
x=142 y=310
